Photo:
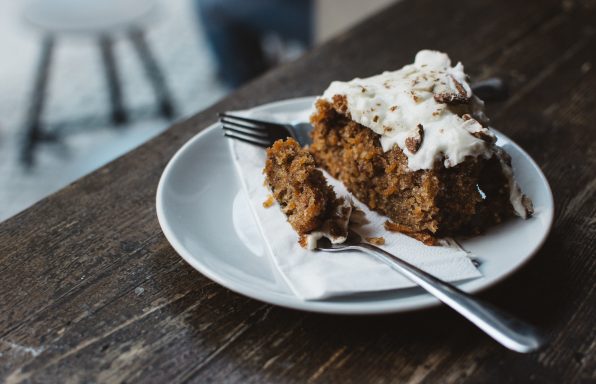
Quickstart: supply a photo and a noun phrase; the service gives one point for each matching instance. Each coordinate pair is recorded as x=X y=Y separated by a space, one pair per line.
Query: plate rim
x=324 y=306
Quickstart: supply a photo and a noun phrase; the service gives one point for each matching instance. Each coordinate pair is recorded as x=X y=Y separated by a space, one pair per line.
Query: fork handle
x=511 y=332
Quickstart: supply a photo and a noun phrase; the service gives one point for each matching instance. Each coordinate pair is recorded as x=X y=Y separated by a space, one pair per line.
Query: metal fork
x=264 y=133
x=511 y=332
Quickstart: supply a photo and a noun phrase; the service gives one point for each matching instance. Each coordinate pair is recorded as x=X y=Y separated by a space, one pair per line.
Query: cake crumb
x=303 y=241
x=269 y=202
x=358 y=217
x=376 y=240
x=424 y=237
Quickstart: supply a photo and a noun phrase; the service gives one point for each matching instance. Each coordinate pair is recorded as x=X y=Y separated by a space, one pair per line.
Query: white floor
x=78 y=101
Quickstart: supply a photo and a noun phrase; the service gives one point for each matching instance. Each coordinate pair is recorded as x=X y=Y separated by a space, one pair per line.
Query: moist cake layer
x=310 y=204
x=414 y=145
x=426 y=203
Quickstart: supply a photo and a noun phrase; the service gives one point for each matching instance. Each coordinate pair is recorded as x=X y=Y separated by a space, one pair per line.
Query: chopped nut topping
x=393 y=108
x=460 y=97
x=413 y=143
x=451 y=98
x=376 y=118
x=482 y=135
x=460 y=88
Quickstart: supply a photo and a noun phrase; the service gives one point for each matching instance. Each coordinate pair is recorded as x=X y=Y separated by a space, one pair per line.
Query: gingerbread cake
x=414 y=145
x=310 y=204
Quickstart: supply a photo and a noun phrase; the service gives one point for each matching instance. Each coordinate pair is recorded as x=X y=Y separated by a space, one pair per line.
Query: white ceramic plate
x=197 y=200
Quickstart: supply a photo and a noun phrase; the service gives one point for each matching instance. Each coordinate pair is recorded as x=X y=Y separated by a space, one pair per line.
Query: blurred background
x=84 y=81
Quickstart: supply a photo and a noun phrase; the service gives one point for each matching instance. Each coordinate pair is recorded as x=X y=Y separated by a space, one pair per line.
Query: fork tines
x=223 y=116
x=249 y=140
x=251 y=135
x=252 y=131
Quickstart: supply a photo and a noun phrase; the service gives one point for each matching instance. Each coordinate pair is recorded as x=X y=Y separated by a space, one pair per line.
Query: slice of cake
x=311 y=206
x=414 y=145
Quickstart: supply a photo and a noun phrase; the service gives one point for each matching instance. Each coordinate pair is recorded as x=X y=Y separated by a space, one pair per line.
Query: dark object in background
x=236 y=30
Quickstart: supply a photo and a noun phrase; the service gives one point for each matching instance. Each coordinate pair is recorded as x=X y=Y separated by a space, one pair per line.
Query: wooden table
x=90 y=290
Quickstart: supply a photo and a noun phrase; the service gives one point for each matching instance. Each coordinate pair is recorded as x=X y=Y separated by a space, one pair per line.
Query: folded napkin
x=313 y=275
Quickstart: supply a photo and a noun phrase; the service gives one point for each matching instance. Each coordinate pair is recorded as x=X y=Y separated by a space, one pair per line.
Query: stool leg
x=153 y=72
x=33 y=126
x=113 y=80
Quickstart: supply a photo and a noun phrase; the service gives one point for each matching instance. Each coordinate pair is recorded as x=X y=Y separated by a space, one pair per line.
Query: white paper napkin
x=316 y=275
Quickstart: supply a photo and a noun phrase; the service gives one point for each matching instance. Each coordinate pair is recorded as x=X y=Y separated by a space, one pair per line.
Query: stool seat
x=89 y=16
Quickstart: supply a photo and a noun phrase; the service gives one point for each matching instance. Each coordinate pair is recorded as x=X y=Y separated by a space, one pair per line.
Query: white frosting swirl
x=394 y=104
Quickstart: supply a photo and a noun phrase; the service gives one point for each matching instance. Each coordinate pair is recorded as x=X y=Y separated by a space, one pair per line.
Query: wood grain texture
x=90 y=290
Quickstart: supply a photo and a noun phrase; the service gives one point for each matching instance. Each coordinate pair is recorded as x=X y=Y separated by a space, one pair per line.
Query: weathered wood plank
x=94 y=292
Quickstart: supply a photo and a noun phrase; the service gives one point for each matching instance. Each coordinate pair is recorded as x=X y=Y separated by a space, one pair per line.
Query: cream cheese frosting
x=429 y=111
x=399 y=104
x=335 y=228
